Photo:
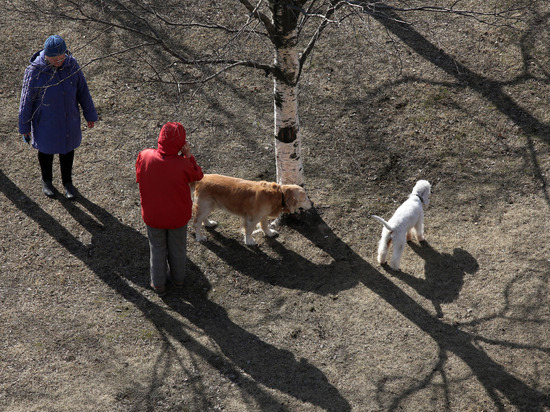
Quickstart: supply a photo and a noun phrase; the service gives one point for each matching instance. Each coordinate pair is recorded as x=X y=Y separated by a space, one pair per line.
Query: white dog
x=254 y=201
x=407 y=219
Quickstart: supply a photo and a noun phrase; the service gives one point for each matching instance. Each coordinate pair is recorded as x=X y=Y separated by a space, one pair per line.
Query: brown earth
x=307 y=321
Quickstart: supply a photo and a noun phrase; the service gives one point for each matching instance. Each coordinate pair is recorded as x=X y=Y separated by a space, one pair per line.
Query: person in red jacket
x=163 y=176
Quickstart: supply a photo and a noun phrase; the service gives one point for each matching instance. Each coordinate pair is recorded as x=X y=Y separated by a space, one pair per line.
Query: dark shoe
x=70 y=191
x=48 y=189
x=177 y=285
x=160 y=291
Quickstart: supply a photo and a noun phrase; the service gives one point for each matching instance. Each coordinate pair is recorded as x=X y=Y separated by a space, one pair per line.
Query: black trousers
x=65 y=162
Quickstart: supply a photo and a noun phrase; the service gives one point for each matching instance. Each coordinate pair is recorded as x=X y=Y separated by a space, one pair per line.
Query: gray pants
x=167 y=246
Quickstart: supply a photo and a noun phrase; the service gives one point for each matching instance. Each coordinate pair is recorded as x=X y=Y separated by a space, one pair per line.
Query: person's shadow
x=118 y=255
x=114 y=254
x=273 y=367
x=443 y=274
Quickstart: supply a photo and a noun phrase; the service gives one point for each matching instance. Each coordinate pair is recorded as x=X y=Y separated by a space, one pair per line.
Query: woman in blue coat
x=49 y=114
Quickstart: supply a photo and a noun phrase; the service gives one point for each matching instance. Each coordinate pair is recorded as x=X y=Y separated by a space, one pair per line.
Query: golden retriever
x=254 y=201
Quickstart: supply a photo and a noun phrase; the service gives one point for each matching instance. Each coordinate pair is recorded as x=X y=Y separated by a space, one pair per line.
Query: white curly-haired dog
x=407 y=219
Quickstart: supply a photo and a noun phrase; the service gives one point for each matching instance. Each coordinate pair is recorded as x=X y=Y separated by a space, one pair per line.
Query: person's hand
x=90 y=125
x=27 y=138
x=185 y=150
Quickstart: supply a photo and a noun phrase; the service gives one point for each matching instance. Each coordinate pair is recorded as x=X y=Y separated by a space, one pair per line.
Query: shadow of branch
x=492 y=90
x=265 y=364
x=493 y=376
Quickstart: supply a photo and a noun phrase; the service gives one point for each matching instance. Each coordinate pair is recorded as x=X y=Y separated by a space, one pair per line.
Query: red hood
x=171 y=138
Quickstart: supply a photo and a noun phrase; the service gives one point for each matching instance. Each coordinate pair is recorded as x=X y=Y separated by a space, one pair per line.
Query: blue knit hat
x=54 y=46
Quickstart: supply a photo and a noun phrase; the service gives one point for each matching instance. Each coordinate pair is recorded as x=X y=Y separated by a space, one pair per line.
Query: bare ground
x=307 y=321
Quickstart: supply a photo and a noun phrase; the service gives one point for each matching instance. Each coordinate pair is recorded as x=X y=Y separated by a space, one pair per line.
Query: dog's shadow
x=284 y=267
x=443 y=274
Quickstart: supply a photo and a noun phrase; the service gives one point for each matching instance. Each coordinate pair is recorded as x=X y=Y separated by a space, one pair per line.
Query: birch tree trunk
x=288 y=156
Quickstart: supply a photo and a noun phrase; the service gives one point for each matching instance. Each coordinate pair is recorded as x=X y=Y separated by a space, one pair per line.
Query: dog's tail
x=388 y=226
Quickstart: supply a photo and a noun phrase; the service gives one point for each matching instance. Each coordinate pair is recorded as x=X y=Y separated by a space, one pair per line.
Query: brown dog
x=255 y=202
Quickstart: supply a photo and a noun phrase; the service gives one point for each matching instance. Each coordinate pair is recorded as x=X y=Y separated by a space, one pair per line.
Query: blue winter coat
x=49 y=104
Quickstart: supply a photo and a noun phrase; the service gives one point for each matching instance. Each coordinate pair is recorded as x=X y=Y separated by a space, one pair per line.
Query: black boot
x=70 y=191
x=48 y=189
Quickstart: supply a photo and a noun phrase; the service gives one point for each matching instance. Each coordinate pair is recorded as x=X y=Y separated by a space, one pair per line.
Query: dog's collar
x=420 y=197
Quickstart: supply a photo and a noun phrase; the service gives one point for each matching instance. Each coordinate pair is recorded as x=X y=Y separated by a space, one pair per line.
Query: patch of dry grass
x=309 y=320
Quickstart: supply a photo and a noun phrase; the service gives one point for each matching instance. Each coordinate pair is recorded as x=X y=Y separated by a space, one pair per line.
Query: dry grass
x=307 y=321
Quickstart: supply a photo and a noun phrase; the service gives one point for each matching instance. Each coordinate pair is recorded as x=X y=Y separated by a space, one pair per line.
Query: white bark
x=288 y=150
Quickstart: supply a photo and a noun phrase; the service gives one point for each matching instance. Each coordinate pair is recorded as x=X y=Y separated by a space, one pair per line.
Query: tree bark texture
x=288 y=156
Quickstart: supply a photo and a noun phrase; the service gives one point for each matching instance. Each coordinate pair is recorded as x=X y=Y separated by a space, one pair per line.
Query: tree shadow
x=264 y=363
x=443 y=274
x=289 y=269
x=418 y=385
x=492 y=90
x=118 y=255
x=494 y=377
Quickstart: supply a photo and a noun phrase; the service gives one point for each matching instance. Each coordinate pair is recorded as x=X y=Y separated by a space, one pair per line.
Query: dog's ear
x=424 y=190
x=291 y=201
x=427 y=195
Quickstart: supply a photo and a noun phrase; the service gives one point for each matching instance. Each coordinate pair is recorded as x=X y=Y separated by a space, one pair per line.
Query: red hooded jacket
x=164 y=178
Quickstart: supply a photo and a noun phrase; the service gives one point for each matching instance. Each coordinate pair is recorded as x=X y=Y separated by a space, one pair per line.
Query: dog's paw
x=275 y=223
x=200 y=238
x=249 y=241
x=388 y=268
x=381 y=259
x=268 y=232
x=271 y=233
x=210 y=223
